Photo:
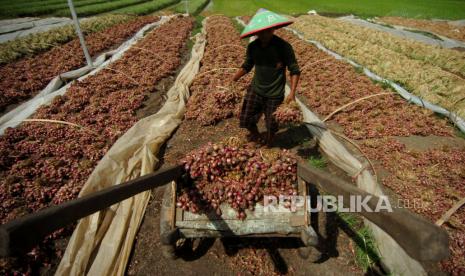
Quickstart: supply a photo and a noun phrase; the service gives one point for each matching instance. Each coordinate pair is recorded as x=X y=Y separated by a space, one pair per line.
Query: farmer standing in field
x=270 y=55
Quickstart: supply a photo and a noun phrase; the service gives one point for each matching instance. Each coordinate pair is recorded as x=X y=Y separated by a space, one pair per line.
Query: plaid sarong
x=253 y=107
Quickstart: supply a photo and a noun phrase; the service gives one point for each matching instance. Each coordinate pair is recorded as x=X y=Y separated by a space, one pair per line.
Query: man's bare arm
x=239 y=74
x=294 y=82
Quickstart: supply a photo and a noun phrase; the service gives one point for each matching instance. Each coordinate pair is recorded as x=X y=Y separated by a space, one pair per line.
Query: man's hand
x=294 y=83
x=291 y=97
x=240 y=72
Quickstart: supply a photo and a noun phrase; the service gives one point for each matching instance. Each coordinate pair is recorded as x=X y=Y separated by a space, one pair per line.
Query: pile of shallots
x=239 y=175
x=288 y=114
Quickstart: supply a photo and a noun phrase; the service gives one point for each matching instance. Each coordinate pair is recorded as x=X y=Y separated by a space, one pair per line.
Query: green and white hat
x=262 y=20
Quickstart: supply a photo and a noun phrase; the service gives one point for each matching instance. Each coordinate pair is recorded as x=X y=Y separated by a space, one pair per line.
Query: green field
x=35 y=8
x=446 y=9
x=107 y=6
x=21 y=8
x=194 y=6
x=146 y=7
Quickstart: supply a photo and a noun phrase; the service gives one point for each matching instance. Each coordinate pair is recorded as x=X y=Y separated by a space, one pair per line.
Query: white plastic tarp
x=21 y=27
x=15 y=21
x=406 y=33
x=102 y=242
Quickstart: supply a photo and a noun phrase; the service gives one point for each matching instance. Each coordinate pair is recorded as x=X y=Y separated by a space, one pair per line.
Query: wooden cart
x=175 y=223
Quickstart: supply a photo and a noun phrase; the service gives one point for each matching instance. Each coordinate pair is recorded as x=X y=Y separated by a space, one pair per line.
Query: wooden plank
x=196 y=233
x=246 y=227
x=20 y=235
x=179 y=214
x=421 y=239
x=297 y=220
x=228 y=213
x=173 y=203
x=304 y=188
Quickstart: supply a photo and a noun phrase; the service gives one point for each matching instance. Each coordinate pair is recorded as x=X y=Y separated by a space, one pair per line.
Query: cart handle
x=421 y=239
x=21 y=235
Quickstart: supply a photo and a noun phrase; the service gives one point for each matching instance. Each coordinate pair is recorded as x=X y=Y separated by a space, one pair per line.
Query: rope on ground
x=354 y=102
x=220 y=15
x=450 y=212
x=60 y=122
x=151 y=52
x=228 y=45
x=221 y=24
x=315 y=62
x=119 y=72
x=216 y=69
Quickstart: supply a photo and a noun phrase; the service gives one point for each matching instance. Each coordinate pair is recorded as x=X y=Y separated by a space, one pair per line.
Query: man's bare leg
x=269 y=138
x=254 y=135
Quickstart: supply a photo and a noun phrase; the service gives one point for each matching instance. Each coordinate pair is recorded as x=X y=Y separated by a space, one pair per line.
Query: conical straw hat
x=262 y=20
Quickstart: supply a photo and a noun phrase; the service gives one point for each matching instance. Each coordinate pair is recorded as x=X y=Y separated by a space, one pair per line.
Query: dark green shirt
x=270 y=64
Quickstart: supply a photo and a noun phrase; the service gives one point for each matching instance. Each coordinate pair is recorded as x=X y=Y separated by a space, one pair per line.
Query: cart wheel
x=309 y=253
x=310 y=240
x=168 y=235
x=309 y=236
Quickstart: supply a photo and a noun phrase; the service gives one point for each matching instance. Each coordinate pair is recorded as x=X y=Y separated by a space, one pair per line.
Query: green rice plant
x=317 y=162
x=198 y=24
x=27 y=4
x=99 y=8
x=366 y=251
x=447 y=9
x=194 y=6
x=40 y=8
x=460 y=134
x=146 y=7
x=22 y=4
x=197 y=29
x=358 y=69
x=239 y=27
x=384 y=84
x=39 y=42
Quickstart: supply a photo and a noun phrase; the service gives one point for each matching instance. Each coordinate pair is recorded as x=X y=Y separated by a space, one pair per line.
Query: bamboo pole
x=450 y=212
x=79 y=33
